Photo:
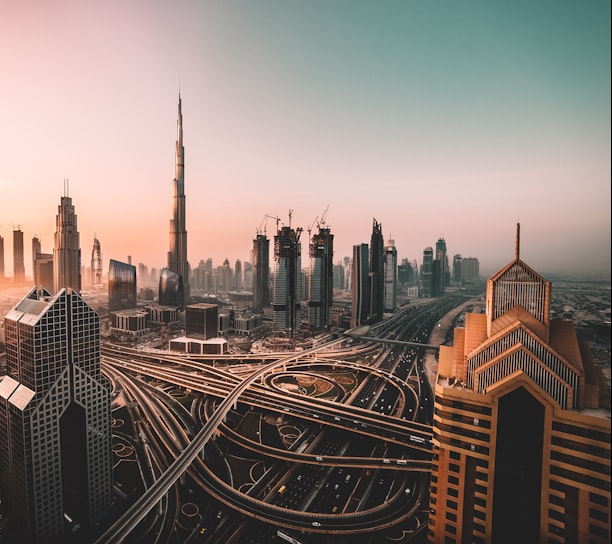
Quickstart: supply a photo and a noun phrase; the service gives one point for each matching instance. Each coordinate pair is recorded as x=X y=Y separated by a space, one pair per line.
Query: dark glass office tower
x=321 y=281
x=121 y=286
x=286 y=304
x=55 y=420
x=377 y=273
x=360 y=286
x=427 y=272
x=171 y=289
x=443 y=271
x=457 y=278
x=18 y=256
x=261 y=272
x=66 y=248
x=177 y=255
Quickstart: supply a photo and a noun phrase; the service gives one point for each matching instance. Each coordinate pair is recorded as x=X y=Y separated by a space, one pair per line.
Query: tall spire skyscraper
x=177 y=255
x=377 y=273
x=66 y=247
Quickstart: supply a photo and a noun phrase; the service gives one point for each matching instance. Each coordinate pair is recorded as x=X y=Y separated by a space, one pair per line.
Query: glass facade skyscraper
x=177 y=254
x=286 y=304
x=321 y=281
x=261 y=272
x=171 y=289
x=427 y=272
x=121 y=286
x=55 y=420
x=360 y=286
x=377 y=273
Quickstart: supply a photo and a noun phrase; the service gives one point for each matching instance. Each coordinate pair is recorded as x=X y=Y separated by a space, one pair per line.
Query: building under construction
x=286 y=303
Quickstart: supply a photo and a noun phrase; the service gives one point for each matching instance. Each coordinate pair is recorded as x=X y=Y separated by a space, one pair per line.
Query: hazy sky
x=438 y=118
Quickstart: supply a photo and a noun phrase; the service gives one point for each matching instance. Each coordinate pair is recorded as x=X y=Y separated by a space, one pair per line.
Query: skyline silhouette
x=440 y=120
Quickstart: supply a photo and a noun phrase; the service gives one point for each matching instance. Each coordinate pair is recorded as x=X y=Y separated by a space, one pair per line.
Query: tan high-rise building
x=521 y=425
x=18 y=256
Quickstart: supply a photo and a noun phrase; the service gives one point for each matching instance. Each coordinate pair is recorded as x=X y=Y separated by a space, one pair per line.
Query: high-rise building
x=18 y=256
x=238 y=275
x=96 y=263
x=406 y=273
x=66 y=248
x=202 y=321
x=177 y=255
x=360 y=286
x=171 y=289
x=43 y=271
x=36 y=249
x=226 y=276
x=521 y=428
x=1 y=258
x=286 y=303
x=390 y=276
x=247 y=281
x=347 y=263
x=121 y=286
x=457 y=278
x=426 y=272
x=261 y=272
x=470 y=269
x=339 y=276
x=442 y=269
x=377 y=273
x=143 y=273
x=321 y=280
x=55 y=420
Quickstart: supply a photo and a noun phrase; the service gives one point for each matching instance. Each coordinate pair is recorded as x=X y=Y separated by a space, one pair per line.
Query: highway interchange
x=328 y=445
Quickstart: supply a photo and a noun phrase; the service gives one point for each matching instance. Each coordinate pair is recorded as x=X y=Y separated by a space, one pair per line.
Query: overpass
x=147 y=501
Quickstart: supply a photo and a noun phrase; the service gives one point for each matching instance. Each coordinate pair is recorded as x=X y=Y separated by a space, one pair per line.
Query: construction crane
x=309 y=229
x=264 y=224
x=322 y=222
x=277 y=219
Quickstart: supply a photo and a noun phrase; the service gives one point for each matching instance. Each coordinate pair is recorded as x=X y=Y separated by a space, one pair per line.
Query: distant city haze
x=438 y=119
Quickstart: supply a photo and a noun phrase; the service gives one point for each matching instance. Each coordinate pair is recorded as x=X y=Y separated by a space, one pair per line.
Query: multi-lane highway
x=362 y=457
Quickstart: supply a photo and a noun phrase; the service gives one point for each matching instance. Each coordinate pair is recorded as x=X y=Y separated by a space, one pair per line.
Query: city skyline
x=449 y=121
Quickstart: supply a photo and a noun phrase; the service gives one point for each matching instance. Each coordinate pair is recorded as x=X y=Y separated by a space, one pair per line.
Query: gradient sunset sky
x=447 y=118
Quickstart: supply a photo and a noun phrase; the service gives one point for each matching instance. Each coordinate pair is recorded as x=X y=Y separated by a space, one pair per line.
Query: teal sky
x=446 y=118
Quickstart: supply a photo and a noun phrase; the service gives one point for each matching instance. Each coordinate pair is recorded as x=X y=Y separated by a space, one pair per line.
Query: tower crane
x=309 y=229
x=264 y=224
x=322 y=222
x=277 y=219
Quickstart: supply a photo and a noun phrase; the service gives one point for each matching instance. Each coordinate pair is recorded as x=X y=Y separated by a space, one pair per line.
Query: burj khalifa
x=177 y=255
